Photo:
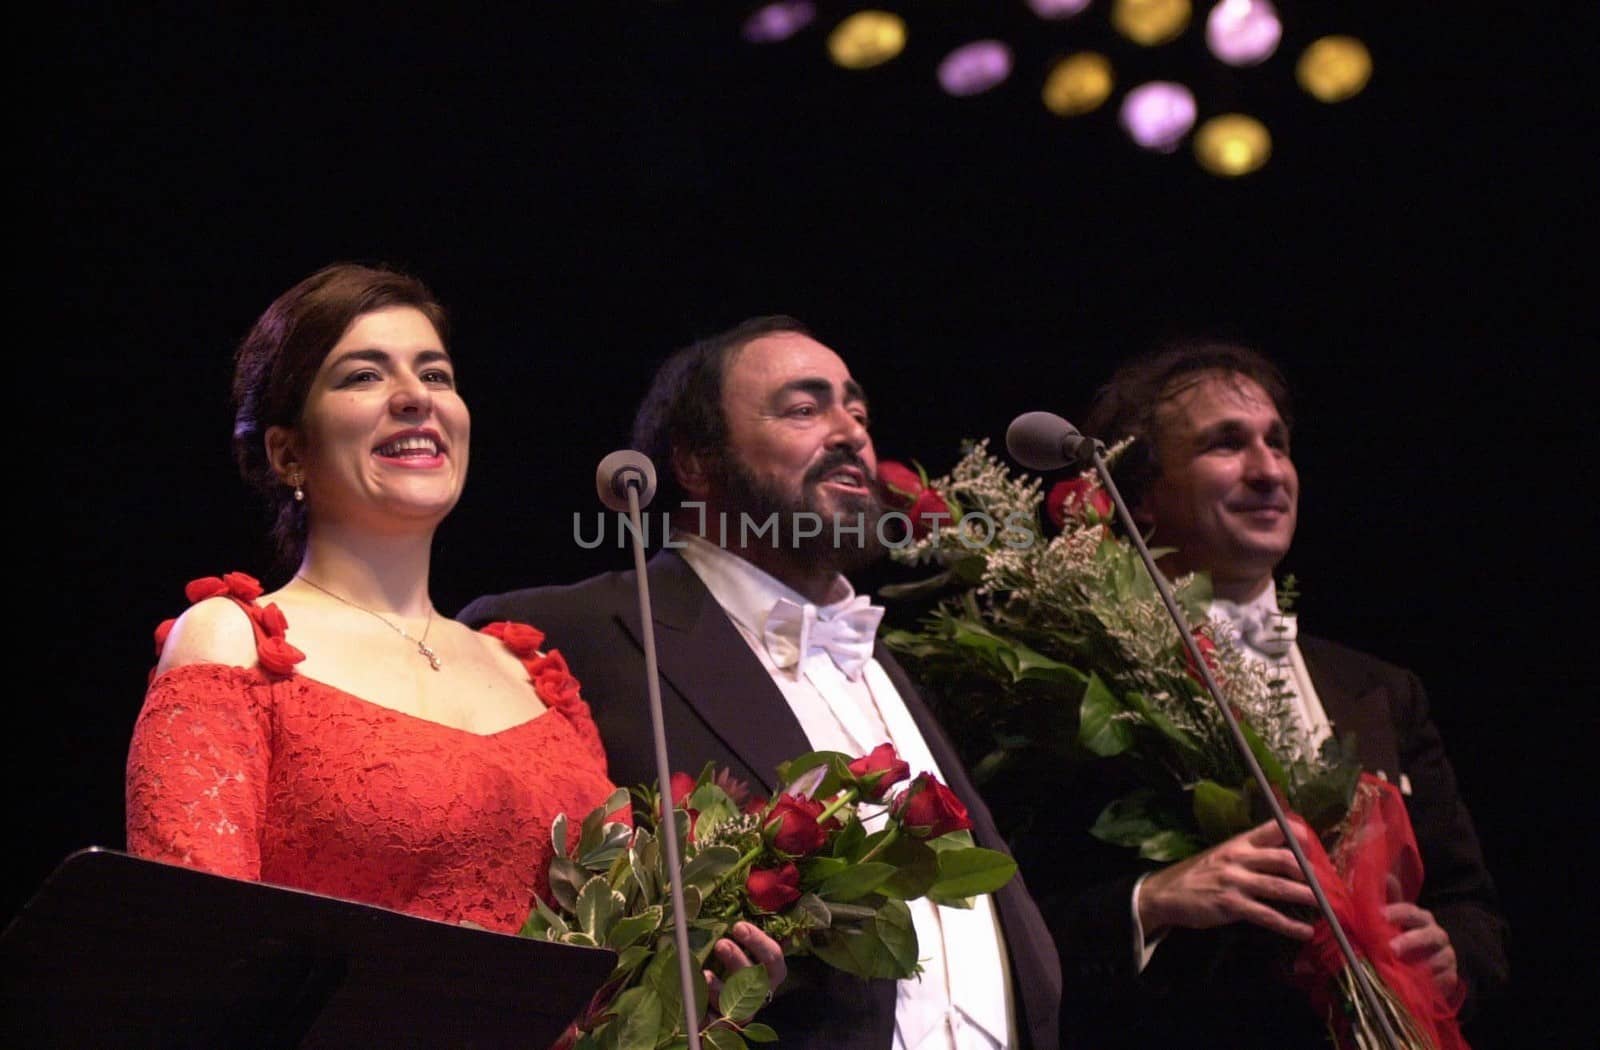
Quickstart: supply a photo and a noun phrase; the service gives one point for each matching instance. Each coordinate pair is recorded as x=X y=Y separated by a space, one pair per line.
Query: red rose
x=753 y=805
x=773 y=889
x=272 y=621
x=928 y=809
x=278 y=656
x=929 y=508
x=682 y=785
x=205 y=587
x=1080 y=498
x=886 y=764
x=245 y=588
x=901 y=484
x=520 y=638
x=793 y=826
x=555 y=686
x=163 y=629
x=1208 y=652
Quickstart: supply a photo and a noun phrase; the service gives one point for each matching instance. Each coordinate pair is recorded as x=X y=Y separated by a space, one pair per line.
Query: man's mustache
x=832 y=461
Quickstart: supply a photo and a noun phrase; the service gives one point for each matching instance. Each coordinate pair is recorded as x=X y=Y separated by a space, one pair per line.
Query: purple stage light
x=974 y=68
x=1157 y=115
x=1243 y=32
x=1057 y=8
x=780 y=21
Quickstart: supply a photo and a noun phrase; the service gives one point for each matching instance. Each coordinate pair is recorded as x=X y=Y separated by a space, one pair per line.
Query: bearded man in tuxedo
x=760 y=438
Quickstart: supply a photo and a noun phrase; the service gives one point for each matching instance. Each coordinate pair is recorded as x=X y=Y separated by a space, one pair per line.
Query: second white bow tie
x=847 y=636
x=1265 y=630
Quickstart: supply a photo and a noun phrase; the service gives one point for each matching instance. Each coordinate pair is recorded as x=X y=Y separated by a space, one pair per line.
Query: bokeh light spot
x=975 y=68
x=867 y=39
x=1078 y=84
x=1150 y=22
x=1157 y=115
x=1232 y=144
x=1334 y=68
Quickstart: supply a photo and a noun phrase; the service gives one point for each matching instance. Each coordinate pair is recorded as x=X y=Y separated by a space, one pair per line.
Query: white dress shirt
x=961 y=1000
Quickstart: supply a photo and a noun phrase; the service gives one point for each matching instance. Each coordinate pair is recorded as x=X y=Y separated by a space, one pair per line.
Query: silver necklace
x=422 y=643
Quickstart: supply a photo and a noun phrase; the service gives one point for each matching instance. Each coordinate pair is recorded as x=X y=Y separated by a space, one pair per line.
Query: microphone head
x=1041 y=440
x=624 y=469
x=1045 y=441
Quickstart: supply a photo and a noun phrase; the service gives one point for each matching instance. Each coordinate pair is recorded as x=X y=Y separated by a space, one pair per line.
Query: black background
x=590 y=186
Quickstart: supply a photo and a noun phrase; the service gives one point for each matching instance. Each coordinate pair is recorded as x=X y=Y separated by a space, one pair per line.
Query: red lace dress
x=266 y=775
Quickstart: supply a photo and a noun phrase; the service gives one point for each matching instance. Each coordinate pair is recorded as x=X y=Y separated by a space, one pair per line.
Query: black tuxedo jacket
x=720 y=705
x=1218 y=987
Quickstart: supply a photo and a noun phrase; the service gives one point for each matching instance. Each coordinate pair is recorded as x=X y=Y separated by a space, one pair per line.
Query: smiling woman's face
x=384 y=435
x=1227 y=496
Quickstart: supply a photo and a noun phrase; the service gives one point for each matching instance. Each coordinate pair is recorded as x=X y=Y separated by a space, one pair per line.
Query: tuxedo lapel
x=706 y=661
x=1355 y=703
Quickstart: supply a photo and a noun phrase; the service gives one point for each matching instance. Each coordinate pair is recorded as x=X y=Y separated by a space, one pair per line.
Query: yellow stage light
x=1334 y=68
x=1150 y=22
x=867 y=39
x=1232 y=144
x=1078 y=83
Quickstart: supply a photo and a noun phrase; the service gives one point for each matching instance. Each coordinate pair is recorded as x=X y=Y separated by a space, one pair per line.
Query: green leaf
x=566 y=879
x=1129 y=820
x=790 y=771
x=1270 y=765
x=1220 y=812
x=817 y=870
x=639 y=1015
x=1169 y=730
x=916 y=867
x=613 y=842
x=969 y=872
x=912 y=590
x=662 y=978
x=855 y=881
x=597 y=908
x=744 y=992
x=723 y=1039
x=1167 y=846
x=634 y=928
x=1101 y=729
x=707 y=867
x=884 y=946
x=558 y=834
x=756 y=1032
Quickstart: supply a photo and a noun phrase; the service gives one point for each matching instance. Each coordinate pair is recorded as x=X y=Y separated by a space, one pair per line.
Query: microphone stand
x=1093 y=451
x=669 y=824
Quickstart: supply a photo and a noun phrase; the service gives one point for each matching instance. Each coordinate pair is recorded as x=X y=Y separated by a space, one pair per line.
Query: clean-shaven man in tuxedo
x=1184 y=955
x=766 y=652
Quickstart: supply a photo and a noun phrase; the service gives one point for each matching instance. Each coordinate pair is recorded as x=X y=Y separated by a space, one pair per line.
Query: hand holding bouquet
x=825 y=868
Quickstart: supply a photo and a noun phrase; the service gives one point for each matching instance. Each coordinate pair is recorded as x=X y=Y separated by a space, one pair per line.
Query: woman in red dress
x=338 y=735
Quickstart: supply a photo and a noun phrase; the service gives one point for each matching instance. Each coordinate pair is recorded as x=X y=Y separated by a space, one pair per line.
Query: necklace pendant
x=433 y=659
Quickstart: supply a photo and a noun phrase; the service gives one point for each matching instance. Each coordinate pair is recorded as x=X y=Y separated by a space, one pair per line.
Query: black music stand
x=118 y=951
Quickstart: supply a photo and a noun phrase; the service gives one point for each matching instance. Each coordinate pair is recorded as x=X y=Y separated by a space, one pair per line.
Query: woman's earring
x=296 y=479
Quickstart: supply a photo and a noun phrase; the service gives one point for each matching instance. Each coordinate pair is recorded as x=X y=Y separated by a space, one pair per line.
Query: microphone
x=625 y=481
x=1045 y=441
x=622 y=470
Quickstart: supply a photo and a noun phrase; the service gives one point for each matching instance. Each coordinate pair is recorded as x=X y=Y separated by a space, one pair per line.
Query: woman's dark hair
x=1129 y=404
x=277 y=361
x=682 y=410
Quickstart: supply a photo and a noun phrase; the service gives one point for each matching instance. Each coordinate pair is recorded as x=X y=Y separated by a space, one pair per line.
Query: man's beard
x=847 y=539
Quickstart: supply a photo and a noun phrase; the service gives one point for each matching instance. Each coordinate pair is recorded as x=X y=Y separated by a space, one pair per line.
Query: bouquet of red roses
x=825 y=868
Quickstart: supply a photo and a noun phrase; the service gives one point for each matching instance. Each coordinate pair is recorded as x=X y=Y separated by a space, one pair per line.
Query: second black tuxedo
x=721 y=706
x=1216 y=987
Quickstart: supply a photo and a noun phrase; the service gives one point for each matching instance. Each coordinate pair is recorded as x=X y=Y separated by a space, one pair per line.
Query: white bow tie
x=846 y=636
x=1265 y=630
